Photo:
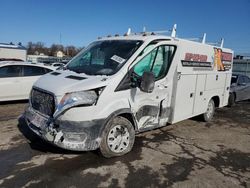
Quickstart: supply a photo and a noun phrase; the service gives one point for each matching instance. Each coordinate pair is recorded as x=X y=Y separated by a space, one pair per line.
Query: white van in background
x=119 y=86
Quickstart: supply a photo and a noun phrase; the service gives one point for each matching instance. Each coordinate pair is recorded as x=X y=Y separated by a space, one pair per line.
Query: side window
x=33 y=71
x=241 y=80
x=248 y=80
x=146 y=63
x=3 y=72
x=148 y=48
x=159 y=62
x=46 y=70
x=10 y=71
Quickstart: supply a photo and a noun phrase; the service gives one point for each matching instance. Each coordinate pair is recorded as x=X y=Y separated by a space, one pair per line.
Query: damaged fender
x=70 y=135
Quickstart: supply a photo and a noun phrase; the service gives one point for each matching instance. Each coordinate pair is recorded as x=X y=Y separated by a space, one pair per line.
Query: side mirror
x=147 y=82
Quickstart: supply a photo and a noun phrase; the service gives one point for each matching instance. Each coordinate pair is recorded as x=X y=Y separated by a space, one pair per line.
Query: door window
x=10 y=71
x=241 y=80
x=246 y=79
x=34 y=71
x=145 y=64
x=157 y=61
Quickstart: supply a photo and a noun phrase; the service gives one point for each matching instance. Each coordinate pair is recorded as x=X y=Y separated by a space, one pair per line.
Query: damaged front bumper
x=70 y=135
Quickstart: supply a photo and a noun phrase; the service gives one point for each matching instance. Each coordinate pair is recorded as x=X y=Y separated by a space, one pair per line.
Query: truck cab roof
x=150 y=36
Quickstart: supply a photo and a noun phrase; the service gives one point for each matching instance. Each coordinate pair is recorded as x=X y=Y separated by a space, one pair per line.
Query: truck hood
x=61 y=82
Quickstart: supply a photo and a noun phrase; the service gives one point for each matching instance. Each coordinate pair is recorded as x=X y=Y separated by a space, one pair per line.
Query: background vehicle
x=122 y=85
x=57 y=65
x=17 y=78
x=240 y=89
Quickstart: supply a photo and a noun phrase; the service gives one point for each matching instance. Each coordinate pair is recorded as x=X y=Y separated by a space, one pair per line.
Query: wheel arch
x=235 y=96
x=126 y=113
x=216 y=100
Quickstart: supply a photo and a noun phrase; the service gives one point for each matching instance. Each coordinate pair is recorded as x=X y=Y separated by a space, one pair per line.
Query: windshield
x=104 y=57
x=234 y=79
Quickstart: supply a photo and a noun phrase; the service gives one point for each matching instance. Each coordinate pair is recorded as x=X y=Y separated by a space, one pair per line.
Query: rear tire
x=231 y=100
x=209 y=114
x=118 y=137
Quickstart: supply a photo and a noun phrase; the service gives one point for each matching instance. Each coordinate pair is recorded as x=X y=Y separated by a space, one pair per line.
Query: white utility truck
x=12 y=52
x=122 y=85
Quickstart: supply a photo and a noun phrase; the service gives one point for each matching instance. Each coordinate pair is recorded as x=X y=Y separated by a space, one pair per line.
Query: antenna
x=204 y=38
x=128 y=32
x=222 y=42
x=173 y=33
x=60 y=38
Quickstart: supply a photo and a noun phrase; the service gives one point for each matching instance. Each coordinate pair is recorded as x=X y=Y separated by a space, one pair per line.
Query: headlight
x=86 y=98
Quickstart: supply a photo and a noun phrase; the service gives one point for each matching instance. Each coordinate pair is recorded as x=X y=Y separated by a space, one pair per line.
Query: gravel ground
x=187 y=154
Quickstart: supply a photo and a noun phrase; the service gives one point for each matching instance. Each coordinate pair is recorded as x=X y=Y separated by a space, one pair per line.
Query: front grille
x=42 y=102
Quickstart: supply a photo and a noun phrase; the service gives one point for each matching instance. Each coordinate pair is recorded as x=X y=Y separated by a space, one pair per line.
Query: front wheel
x=231 y=100
x=209 y=114
x=117 y=138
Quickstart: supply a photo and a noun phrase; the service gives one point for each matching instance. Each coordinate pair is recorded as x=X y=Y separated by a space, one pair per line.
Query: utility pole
x=60 y=38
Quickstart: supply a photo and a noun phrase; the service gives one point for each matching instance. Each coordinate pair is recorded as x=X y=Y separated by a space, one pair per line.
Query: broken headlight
x=80 y=98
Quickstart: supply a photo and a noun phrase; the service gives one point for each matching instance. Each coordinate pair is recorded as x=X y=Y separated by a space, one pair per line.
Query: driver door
x=152 y=109
x=241 y=89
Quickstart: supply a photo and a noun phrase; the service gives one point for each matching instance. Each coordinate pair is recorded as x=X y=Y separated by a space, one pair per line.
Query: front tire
x=118 y=137
x=209 y=114
x=231 y=100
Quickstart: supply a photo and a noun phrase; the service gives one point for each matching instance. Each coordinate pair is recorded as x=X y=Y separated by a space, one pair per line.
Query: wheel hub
x=209 y=110
x=118 y=139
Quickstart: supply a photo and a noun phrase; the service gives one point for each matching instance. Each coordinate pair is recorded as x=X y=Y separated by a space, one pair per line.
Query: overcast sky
x=80 y=22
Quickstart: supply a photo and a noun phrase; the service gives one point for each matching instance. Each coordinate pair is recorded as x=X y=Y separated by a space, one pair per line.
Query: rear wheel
x=209 y=114
x=117 y=138
x=231 y=99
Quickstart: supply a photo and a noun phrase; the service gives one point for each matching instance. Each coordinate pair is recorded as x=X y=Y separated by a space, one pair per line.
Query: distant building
x=241 y=65
x=12 y=52
x=60 y=54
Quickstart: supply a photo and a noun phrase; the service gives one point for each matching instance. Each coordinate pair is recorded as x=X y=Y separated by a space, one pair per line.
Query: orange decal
x=218 y=59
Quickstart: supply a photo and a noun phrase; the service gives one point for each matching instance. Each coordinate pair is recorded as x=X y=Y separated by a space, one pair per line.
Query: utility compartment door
x=200 y=100
x=184 y=97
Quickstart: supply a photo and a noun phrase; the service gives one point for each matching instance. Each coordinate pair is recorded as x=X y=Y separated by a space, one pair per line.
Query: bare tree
x=39 y=47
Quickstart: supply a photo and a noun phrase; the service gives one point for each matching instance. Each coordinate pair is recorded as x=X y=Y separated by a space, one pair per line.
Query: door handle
x=191 y=95
x=160 y=86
